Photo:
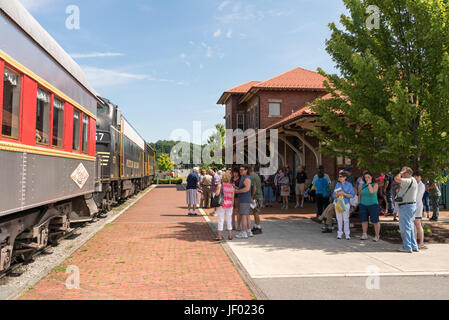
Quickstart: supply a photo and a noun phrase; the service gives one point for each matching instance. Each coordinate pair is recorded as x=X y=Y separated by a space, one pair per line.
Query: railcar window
x=76 y=130
x=85 y=132
x=11 y=104
x=58 y=122
x=42 y=116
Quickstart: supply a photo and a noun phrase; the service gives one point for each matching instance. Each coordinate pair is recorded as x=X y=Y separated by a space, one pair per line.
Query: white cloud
x=98 y=77
x=183 y=56
x=33 y=5
x=201 y=66
x=229 y=34
x=223 y=5
x=95 y=55
x=209 y=51
x=217 y=33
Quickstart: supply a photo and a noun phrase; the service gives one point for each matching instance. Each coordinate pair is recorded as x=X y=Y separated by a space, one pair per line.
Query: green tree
x=164 y=163
x=221 y=130
x=390 y=103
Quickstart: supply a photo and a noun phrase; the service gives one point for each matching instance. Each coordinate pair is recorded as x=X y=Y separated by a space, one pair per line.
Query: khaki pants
x=328 y=215
x=205 y=200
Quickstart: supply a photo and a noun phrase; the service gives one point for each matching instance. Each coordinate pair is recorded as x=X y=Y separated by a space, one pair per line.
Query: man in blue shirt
x=193 y=183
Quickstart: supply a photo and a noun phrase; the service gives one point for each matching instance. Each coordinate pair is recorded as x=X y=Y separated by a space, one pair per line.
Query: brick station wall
x=291 y=101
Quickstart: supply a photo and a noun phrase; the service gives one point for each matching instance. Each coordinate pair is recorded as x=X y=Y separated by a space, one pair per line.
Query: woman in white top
x=419 y=231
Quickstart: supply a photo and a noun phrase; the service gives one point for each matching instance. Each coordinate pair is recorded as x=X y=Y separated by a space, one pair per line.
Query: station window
x=275 y=109
x=42 y=116
x=58 y=122
x=85 y=136
x=11 y=104
x=76 y=130
x=241 y=121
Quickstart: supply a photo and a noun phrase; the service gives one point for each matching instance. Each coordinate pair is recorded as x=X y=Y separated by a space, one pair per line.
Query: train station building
x=282 y=103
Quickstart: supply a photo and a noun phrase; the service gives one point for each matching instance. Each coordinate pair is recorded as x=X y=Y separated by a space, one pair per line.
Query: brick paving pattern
x=153 y=251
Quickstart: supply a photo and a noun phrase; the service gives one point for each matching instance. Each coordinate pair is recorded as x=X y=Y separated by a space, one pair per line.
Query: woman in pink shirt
x=225 y=211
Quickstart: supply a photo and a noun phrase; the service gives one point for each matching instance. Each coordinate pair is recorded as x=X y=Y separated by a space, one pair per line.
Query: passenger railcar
x=47 y=138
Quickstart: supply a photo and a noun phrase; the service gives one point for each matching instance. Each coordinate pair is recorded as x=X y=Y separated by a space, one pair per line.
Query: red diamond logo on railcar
x=80 y=175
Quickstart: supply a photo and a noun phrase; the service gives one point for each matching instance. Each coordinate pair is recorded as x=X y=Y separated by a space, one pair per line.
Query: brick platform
x=153 y=251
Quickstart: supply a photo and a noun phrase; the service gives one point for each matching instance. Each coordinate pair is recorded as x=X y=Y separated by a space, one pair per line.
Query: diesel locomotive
x=127 y=162
x=66 y=154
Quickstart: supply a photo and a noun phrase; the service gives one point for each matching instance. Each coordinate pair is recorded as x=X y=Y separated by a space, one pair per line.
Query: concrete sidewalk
x=295 y=254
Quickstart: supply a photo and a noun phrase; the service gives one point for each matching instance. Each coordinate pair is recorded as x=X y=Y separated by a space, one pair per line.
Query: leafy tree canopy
x=393 y=87
x=164 y=163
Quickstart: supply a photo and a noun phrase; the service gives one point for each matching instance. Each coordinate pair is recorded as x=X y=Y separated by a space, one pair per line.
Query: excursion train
x=66 y=154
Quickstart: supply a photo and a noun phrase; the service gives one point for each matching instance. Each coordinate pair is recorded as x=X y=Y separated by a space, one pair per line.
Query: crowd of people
x=244 y=193
x=242 y=196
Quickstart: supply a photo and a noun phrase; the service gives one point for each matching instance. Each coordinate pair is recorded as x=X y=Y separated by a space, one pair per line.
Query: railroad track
x=12 y=270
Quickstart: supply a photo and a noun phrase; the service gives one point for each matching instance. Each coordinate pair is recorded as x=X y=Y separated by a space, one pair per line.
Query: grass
x=59 y=269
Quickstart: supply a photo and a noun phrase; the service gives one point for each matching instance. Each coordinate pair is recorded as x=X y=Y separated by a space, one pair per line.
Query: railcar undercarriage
x=25 y=233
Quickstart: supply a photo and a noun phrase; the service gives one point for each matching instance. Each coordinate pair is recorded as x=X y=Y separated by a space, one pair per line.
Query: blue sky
x=166 y=63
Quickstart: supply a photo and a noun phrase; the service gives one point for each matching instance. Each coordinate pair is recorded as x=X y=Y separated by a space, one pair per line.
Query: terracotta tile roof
x=241 y=89
x=297 y=78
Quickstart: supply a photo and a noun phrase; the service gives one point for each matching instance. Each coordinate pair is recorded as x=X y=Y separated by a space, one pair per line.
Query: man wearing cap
x=193 y=183
x=407 y=207
x=350 y=178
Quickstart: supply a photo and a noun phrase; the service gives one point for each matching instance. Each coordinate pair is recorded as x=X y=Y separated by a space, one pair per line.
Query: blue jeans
x=426 y=202
x=268 y=194
x=407 y=226
x=390 y=202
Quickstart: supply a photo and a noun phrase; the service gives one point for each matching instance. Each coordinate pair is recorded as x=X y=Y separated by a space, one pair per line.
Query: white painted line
x=203 y=213
x=353 y=275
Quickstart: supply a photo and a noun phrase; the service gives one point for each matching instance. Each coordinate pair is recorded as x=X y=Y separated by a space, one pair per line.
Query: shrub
x=167 y=181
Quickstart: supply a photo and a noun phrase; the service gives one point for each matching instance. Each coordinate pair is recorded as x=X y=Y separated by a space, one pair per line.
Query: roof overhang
x=255 y=90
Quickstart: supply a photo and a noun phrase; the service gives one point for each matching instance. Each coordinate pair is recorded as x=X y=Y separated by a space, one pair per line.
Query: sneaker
x=339 y=237
x=364 y=237
x=302 y=205
x=327 y=230
x=250 y=234
x=256 y=231
x=348 y=238
x=376 y=239
x=297 y=206
x=213 y=214
x=403 y=250
x=416 y=250
x=242 y=235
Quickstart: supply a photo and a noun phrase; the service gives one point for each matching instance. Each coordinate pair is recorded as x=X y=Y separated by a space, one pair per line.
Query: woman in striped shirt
x=225 y=211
